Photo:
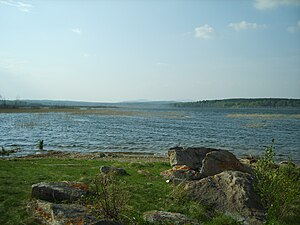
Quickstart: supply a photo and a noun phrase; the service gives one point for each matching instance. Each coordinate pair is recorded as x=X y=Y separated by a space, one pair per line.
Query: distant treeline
x=21 y=104
x=243 y=103
x=16 y=104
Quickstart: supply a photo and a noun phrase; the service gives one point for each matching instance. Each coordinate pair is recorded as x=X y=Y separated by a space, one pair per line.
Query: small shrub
x=279 y=188
x=109 y=196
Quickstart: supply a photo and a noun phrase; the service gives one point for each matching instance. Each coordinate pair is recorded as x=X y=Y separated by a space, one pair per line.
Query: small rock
x=161 y=217
x=59 y=191
x=143 y=172
x=102 y=155
x=109 y=169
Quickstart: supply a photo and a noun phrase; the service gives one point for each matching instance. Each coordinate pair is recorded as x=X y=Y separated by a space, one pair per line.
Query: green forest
x=243 y=103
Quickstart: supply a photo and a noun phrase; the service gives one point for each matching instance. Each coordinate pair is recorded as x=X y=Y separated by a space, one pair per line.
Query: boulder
x=161 y=217
x=191 y=157
x=230 y=192
x=218 y=161
x=181 y=173
x=109 y=169
x=59 y=191
x=61 y=214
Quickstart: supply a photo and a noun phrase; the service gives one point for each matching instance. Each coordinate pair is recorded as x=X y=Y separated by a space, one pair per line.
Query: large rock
x=230 y=192
x=218 y=161
x=59 y=191
x=63 y=214
x=206 y=161
x=191 y=157
x=161 y=217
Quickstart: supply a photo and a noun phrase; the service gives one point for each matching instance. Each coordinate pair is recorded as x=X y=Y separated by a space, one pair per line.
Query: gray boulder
x=109 y=169
x=191 y=157
x=229 y=192
x=59 y=191
x=61 y=214
x=161 y=217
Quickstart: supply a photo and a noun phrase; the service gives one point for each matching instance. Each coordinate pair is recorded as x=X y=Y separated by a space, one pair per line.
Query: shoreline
x=119 y=156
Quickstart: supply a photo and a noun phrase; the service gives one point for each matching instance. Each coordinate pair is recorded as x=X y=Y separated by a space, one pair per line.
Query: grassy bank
x=147 y=191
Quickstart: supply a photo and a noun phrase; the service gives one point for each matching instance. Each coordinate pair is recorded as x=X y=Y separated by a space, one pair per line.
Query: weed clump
x=108 y=197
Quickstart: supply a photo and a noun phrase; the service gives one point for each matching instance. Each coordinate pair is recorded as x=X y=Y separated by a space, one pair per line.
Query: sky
x=111 y=51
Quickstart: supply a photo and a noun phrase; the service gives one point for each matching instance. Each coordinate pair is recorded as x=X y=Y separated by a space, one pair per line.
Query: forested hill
x=243 y=103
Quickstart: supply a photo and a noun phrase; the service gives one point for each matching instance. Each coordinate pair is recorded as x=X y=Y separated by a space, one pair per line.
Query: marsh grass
x=263 y=116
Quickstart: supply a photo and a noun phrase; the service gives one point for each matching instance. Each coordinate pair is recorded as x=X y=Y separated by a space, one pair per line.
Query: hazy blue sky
x=158 y=50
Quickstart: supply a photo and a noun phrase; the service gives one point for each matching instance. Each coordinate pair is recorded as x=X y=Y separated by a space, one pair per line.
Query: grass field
x=146 y=193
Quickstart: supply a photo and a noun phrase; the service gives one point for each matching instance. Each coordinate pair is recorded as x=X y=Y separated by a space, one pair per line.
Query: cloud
x=293 y=29
x=204 y=32
x=13 y=65
x=243 y=25
x=76 y=31
x=161 y=64
x=270 y=4
x=22 y=6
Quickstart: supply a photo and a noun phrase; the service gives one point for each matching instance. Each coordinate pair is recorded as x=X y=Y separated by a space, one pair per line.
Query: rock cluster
x=204 y=161
x=216 y=178
x=58 y=203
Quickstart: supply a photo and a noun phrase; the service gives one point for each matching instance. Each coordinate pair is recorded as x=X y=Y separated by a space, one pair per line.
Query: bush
x=109 y=197
x=279 y=189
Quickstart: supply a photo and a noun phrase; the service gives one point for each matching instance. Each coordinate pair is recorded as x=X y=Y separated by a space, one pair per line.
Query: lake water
x=242 y=131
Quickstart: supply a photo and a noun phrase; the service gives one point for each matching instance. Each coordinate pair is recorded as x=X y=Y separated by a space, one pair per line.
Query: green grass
x=145 y=192
x=17 y=176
